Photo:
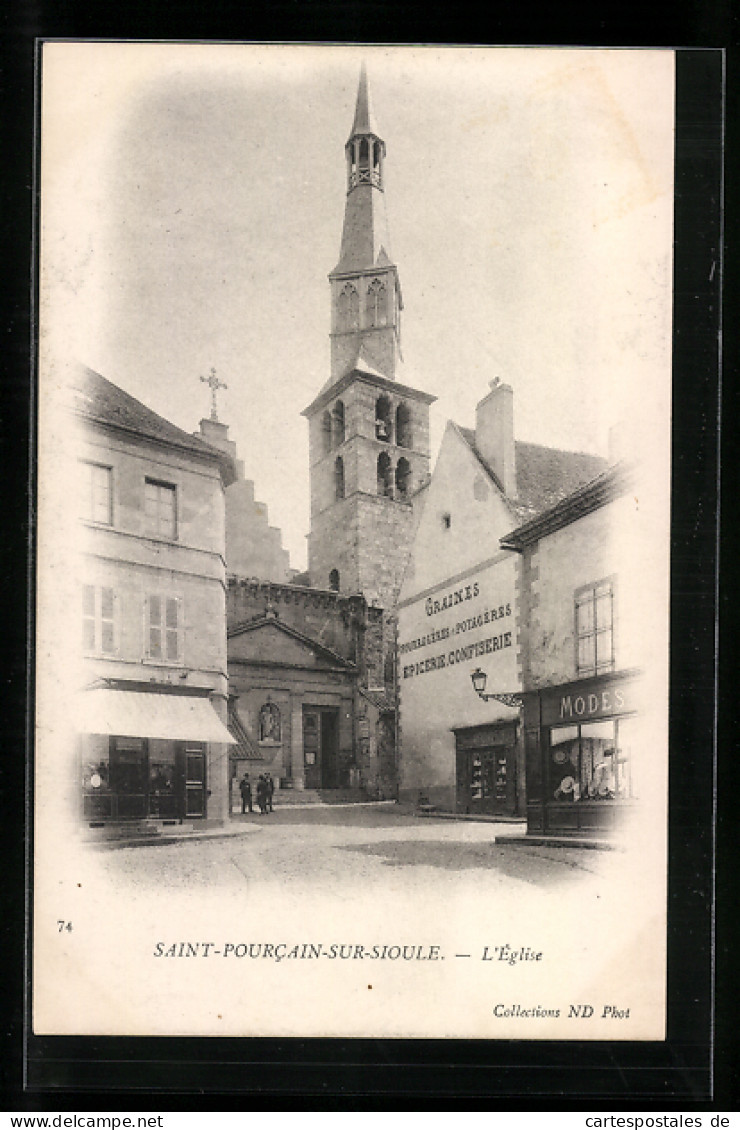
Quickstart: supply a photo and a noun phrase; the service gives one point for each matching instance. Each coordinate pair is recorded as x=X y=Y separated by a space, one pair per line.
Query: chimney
x=494 y=434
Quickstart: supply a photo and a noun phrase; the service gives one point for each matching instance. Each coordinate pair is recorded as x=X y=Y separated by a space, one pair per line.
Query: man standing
x=246 y=790
x=270 y=790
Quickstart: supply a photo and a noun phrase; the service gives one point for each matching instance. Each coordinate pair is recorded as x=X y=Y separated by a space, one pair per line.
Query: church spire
x=366 y=296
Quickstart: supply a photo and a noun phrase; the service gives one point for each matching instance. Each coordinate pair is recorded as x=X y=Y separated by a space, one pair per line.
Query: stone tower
x=368 y=433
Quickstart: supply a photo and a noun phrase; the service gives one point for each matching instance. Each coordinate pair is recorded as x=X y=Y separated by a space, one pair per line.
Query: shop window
x=385 y=475
x=164 y=628
x=326 y=432
x=592 y=761
x=269 y=723
x=334 y=580
x=595 y=628
x=97 y=493
x=403 y=478
x=376 y=304
x=160 y=506
x=383 y=419
x=339 y=478
x=403 y=426
x=338 y=423
x=98 y=619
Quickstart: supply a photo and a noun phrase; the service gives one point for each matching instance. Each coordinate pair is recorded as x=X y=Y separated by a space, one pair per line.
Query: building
x=153 y=742
x=460 y=611
x=581 y=654
x=368 y=430
x=307 y=696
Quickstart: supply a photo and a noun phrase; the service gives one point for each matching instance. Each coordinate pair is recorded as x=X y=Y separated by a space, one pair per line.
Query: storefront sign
x=586 y=701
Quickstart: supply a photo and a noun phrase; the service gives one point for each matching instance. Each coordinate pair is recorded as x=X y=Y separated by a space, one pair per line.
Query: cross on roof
x=214 y=384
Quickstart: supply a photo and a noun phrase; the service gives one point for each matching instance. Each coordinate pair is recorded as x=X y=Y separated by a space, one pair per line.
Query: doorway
x=320 y=747
x=486 y=772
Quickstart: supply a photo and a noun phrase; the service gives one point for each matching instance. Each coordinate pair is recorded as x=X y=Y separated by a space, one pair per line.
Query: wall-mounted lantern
x=479 y=679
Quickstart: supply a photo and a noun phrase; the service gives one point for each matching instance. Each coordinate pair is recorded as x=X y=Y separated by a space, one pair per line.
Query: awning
x=138 y=714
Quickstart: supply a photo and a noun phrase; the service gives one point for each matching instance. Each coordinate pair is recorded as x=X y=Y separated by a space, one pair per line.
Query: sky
x=192 y=199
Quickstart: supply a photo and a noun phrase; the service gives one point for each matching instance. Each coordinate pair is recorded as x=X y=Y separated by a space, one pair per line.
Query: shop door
x=320 y=746
x=129 y=777
x=194 y=766
x=485 y=781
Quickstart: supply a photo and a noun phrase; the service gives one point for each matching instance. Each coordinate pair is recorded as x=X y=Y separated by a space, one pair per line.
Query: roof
x=330 y=391
x=245 y=746
x=381 y=700
x=313 y=645
x=612 y=483
x=544 y=475
x=101 y=401
x=364 y=122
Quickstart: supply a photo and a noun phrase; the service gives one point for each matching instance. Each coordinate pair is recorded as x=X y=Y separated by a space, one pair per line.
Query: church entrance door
x=320 y=747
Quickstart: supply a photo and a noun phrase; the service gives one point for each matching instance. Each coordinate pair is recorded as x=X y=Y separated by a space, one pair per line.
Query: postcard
x=353 y=541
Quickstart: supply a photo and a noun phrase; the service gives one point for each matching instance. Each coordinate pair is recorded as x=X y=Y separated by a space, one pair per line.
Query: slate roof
x=245 y=746
x=380 y=699
x=544 y=475
x=100 y=400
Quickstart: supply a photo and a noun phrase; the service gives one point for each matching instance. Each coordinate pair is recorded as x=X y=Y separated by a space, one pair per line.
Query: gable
x=269 y=642
x=477 y=511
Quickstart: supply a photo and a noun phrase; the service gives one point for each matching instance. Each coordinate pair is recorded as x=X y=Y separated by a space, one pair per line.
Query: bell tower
x=368 y=432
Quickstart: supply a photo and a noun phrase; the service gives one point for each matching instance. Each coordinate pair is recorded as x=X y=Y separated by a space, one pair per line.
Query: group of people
x=264 y=790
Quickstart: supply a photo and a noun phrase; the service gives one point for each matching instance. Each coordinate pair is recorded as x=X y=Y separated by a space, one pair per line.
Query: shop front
x=145 y=754
x=488 y=776
x=581 y=740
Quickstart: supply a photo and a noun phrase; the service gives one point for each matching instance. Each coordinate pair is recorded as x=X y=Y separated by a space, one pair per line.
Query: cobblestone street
x=359 y=846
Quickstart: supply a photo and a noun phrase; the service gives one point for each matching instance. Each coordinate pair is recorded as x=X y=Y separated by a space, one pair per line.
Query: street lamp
x=479 y=679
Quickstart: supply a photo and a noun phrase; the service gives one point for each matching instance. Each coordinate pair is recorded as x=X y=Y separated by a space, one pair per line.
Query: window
x=338 y=478
x=163 y=628
x=403 y=426
x=98 y=619
x=269 y=723
x=348 y=308
x=334 y=580
x=160 y=501
x=383 y=419
x=592 y=761
x=385 y=475
x=595 y=628
x=375 y=304
x=326 y=432
x=446 y=521
x=403 y=477
x=97 y=493
x=338 y=423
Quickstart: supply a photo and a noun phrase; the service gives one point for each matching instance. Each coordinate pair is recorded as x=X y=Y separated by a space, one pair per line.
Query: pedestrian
x=262 y=794
x=270 y=790
x=245 y=789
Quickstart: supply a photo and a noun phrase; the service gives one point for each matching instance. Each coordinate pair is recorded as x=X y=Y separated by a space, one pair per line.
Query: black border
x=80 y=1073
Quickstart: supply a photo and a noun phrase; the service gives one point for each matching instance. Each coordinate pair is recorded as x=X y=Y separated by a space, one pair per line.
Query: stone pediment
x=268 y=641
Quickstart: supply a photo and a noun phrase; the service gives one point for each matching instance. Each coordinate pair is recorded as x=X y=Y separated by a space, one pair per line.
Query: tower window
x=334 y=580
x=338 y=423
x=403 y=477
x=446 y=521
x=339 y=478
x=348 y=308
x=383 y=419
x=326 y=432
x=376 y=304
x=403 y=426
x=385 y=475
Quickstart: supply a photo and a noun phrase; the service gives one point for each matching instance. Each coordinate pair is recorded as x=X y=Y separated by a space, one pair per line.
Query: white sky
x=192 y=206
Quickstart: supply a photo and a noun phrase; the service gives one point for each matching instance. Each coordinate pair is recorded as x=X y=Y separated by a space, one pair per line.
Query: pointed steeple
x=364 y=117
x=366 y=296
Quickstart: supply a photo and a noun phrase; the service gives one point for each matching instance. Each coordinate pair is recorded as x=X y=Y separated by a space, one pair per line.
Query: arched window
x=339 y=478
x=403 y=478
x=363 y=153
x=383 y=419
x=348 y=308
x=338 y=423
x=403 y=426
x=326 y=432
x=269 y=723
x=375 y=304
x=385 y=475
x=334 y=580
